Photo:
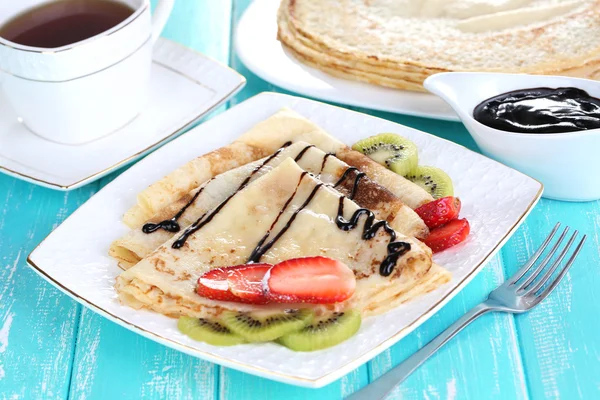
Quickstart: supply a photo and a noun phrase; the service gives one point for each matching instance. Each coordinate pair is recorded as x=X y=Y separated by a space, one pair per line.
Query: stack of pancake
x=399 y=43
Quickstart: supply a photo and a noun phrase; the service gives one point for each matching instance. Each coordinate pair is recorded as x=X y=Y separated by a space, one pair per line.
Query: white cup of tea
x=81 y=91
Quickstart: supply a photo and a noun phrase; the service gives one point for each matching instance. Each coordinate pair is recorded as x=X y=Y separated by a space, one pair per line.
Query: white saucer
x=257 y=46
x=185 y=86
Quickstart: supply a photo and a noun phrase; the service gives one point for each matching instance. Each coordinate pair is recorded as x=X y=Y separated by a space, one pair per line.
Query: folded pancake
x=140 y=242
x=261 y=141
x=259 y=137
x=188 y=176
x=284 y=214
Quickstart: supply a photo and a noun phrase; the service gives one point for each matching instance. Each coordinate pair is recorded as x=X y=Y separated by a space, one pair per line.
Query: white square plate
x=74 y=257
x=185 y=85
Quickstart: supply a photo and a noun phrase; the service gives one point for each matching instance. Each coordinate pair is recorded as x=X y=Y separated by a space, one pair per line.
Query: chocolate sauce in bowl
x=540 y=110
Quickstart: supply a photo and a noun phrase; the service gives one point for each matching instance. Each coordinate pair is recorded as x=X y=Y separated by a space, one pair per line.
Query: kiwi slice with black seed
x=324 y=332
x=435 y=181
x=263 y=326
x=208 y=331
x=395 y=152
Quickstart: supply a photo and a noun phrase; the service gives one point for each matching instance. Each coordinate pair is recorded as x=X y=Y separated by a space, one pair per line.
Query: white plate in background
x=495 y=200
x=185 y=85
x=257 y=46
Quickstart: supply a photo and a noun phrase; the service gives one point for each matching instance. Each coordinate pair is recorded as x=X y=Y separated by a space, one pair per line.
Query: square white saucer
x=185 y=86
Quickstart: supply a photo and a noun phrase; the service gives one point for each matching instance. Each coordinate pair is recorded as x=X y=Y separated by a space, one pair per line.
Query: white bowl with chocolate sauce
x=544 y=126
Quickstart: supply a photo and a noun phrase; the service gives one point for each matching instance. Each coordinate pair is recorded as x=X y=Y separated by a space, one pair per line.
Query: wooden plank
x=202 y=25
x=559 y=339
x=237 y=385
x=37 y=323
x=111 y=362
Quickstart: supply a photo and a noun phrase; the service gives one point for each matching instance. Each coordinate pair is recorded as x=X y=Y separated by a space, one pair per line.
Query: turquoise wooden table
x=53 y=348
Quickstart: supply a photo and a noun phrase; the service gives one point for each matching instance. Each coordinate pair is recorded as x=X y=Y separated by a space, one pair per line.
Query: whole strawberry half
x=439 y=212
x=318 y=280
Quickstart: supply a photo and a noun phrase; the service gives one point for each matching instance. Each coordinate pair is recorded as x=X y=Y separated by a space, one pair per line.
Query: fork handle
x=384 y=385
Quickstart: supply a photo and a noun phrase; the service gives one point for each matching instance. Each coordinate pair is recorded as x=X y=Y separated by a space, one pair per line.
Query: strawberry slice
x=213 y=285
x=448 y=235
x=240 y=283
x=439 y=212
x=246 y=282
x=318 y=280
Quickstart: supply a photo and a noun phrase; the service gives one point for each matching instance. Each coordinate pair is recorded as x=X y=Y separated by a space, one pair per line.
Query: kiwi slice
x=323 y=332
x=209 y=331
x=263 y=326
x=435 y=181
x=395 y=152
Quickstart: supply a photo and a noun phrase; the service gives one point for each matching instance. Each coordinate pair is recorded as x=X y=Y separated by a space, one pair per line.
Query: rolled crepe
x=262 y=140
x=136 y=245
x=284 y=214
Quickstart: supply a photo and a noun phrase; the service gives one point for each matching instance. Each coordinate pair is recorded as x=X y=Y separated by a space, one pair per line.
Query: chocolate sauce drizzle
x=200 y=222
x=171 y=225
x=258 y=251
x=357 y=178
x=304 y=150
x=395 y=249
x=325 y=161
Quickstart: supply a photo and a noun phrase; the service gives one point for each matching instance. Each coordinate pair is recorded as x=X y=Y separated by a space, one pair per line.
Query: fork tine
x=561 y=275
x=533 y=258
x=544 y=262
x=541 y=282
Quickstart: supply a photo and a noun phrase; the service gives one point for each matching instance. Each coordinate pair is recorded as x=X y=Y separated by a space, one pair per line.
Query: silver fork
x=518 y=294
